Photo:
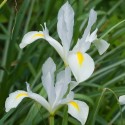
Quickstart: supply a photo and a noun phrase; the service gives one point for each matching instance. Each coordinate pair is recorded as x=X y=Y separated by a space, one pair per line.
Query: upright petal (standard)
x=48 y=70
x=92 y=20
x=65 y=25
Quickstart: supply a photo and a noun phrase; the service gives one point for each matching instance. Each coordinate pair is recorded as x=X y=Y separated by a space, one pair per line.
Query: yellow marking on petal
x=38 y=35
x=75 y=105
x=21 y=95
x=80 y=58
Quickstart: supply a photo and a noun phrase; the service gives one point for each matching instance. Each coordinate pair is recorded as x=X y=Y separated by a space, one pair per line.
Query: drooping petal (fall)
x=81 y=64
x=35 y=35
x=78 y=110
x=14 y=99
x=101 y=45
x=38 y=98
x=122 y=99
x=55 y=44
x=31 y=37
x=65 y=25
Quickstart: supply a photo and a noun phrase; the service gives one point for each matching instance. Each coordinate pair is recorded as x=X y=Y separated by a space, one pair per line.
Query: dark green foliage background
x=18 y=66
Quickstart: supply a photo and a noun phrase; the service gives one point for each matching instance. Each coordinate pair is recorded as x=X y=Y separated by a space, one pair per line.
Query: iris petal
x=81 y=65
x=78 y=110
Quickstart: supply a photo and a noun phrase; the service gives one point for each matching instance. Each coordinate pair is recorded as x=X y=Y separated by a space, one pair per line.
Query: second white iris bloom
x=81 y=64
x=59 y=94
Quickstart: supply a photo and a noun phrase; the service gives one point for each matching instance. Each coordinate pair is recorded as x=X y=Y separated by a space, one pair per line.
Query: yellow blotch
x=80 y=58
x=38 y=35
x=21 y=95
x=75 y=105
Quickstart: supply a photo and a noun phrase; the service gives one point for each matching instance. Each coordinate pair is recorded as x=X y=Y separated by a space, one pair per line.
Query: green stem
x=98 y=106
x=51 y=120
x=65 y=116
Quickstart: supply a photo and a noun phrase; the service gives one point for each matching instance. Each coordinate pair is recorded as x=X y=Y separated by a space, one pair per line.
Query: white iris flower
x=81 y=64
x=59 y=94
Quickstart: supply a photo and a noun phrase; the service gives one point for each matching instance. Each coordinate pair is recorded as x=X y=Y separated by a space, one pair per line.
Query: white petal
x=122 y=99
x=60 y=89
x=56 y=45
x=92 y=37
x=84 y=43
x=49 y=87
x=92 y=17
x=34 y=35
x=92 y=20
x=78 y=110
x=31 y=37
x=81 y=64
x=63 y=79
x=14 y=99
x=64 y=75
x=60 y=85
x=65 y=24
x=37 y=98
x=48 y=70
x=49 y=66
x=68 y=98
x=40 y=100
x=63 y=101
x=83 y=47
x=101 y=45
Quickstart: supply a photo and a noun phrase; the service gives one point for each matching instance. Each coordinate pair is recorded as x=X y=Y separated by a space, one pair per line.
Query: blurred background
x=17 y=66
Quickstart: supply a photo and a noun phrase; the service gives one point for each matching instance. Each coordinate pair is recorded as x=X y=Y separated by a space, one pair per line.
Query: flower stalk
x=51 y=120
